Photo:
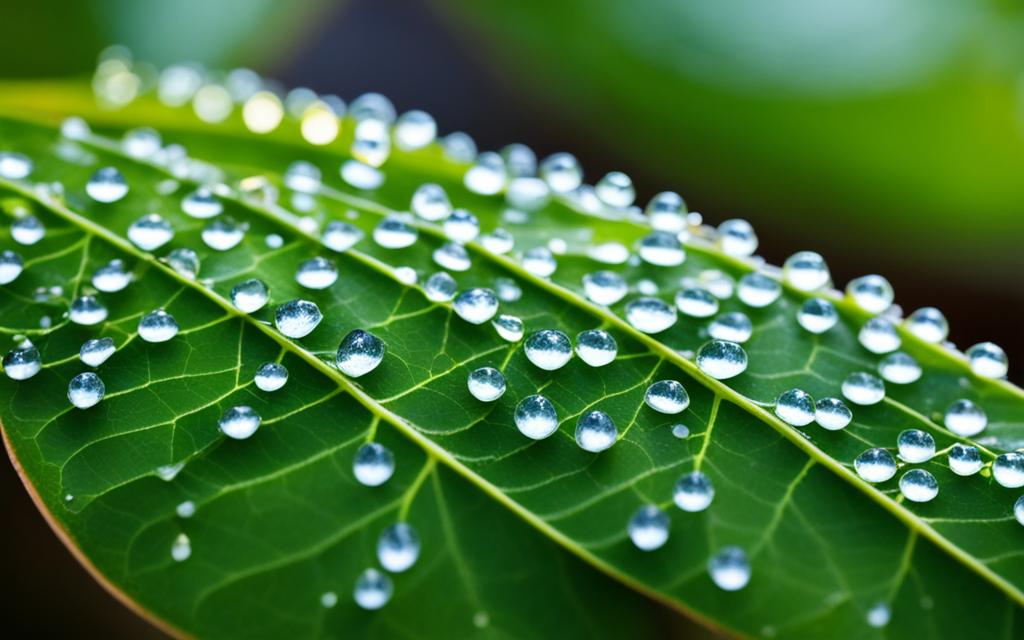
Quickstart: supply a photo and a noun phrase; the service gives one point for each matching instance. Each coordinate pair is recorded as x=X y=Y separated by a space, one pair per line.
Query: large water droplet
x=737 y=238
x=666 y=212
x=596 y=347
x=548 y=349
x=731 y=327
x=499 y=241
x=667 y=396
x=157 y=326
x=872 y=293
x=398 y=547
x=106 y=185
x=11 y=266
x=539 y=261
x=817 y=315
x=648 y=528
x=795 y=407
x=373 y=464
x=87 y=310
x=27 y=230
x=86 y=390
x=1008 y=470
x=758 y=290
x=359 y=353
x=662 y=249
x=832 y=414
x=430 y=202
x=184 y=261
x=316 y=273
x=535 y=417
x=373 y=589
x=111 y=277
x=928 y=324
x=878 y=335
x=22 y=362
x=899 y=368
x=440 y=287
x=141 y=143
x=461 y=226
x=510 y=328
x=452 y=256
x=604 y=287
x=394 y=232
x=918 y=485
x=340 y=236
x=988 y=360
x=722 y=360
x=965 y=418
x=595 y=431
x=650 y=315
x=414 y=130
x=14 y=166
x=487 y=384
x=915 y=446
x=806 y=271
x=487 y=175
x=361 y=176
x=562 y=172
x=201 y=203
x=615 y=190
x=863 y=388
x=297 y=318
x=696 y=302
x=96 y=351
x=239 y=422
x=964 y=459
x=875 y=465
x=150 y=232
x=223 y=234
x=270 y=376
x=476 y=306
x=520 y=160
x=250 y=295
x=693 y=492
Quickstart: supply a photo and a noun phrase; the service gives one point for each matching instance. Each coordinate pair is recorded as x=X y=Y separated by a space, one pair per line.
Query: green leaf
x=512 y=529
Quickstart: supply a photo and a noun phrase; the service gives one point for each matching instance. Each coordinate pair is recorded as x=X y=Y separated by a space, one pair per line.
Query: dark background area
x=405 y=50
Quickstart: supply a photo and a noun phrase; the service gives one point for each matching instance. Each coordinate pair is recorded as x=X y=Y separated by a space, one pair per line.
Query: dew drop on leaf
x=398 y=547
x=806 y=271
x=681 y=431
x=795 y=407
x=11 y=266
x=373 y=464
x=535 y=417
x=340 y=236
x=928 y=324
x=86 y=390
x=965 y=418
x=96 y=351
x=878 y=335
x=1018 y=510
x=87 y=310
x=988 y=360
x=223 y=234
x=875 y=465
x=14 y=166
x=169 y=472
x=696 y=302
x=667 y=396
x=106 y=185
x=157 y=326
x=201 y=203
x=548 y=349
x=616 y=190
x=111 y=277
x=74 y=128
x=394 y=232
x=604 y=287
x=539 y=261
x=431 y=203
x=239 y=422
x=361 y=176
x=316 y=273
x=562 y=172
x=250 y=295
x=693 y=492
x=186 y=509
x=270 y=376
x=181 y=550
x=373 y=589
x=595 y=431
x=596 y=347
x=507 y=289
x=22 y=362
x=27 y=230
x=648 y=528
x=359 y=353
x=915 y=445
x=297 y=318
x=650 y=315
x=302 y=176
x=964 y=459
x=150 y=232
x=328 y=599
x=817 y=315
x=729 y=569
x=758 y=290
x=499 y=241
x=666 y=211
x=1008 y=470
x=918 y=485
x=184 y=261
x=141 y=143
x=871 y=293
x=661 y=249
x=863 y=388
x=731 y=327
x=452 y=256
x=487 y=384
x=461 y=226
x=510 y=328
x=737 y=238
x=832 y=414
x=899 y=368
x=487 y=175
x=722 y=360
x=476 y=306
x=879 y=615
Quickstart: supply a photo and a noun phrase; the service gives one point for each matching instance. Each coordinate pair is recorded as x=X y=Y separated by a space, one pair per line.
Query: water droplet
x=879 y=615
x=373 y=465
x=361 y=176
x=965 y=418
x=11 y=266
x=548 y=349
x=1008 y=470
x=394 y=232
x=86 y=390
x=487 y=384
x=928 y=324
x=150 y=232
x=169 y=472
x=141 y=143
x=302 y=176
x=737 y=238
x=988 y=360
x=22 y=362
x=806 y=271
x=328 y=599
x=693 y=492
x=476 y=306
x=398 y=547
x=201 y=203
x=14 y=166
x=270 y=376
x=615 y=190
x=681 y=431
x=111 y=277
x=562 y=172
x=863 y=388
x=650 y=315
x=440 y=287
x=595 y=431
x=915 y=446
x=662 y=249
x=461 y=226
x=459 y=147
x=918 y=485
x=184 y=261
x=878 y=335
x=604 y=287
x=795 y=407
x=452 y=256
x=871 y=293
x=539 y=261
x=731 y=327
x=27 y=230
x=527 y=193
x=721 y=360
x=95 y=352
x=667 y=396
x=1018 y=510
x=223 y=234
x=758 y=290
x=87 y=310
x=729 y=569
x=596 y=347
x=535 y=417
x=373 y=589
x=157 y=326
x=181 y=549
x=297 y=318
x=262 y=112
x=106 y=185
x=186 y=509
x=696 y=302
x=507 y=289
x=487 y=175
x=832 y=414
x=648 y=528
x=899 y=368
x=609 y=253
x=239 y=422
x=74 y=128
x=875 y=465
x=510 y=328
x=499 y=241
x=250 y=295
x=964 y=459
x=430 y=202
x=666 y=212
x=817 y=315
x=316 y=273
x=340 y=236
x=359 y=353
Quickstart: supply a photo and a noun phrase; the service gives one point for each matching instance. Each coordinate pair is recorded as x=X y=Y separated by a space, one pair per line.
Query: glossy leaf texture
x=514 y=531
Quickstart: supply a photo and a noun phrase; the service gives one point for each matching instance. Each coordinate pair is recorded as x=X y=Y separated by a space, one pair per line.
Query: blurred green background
x=886 y=134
